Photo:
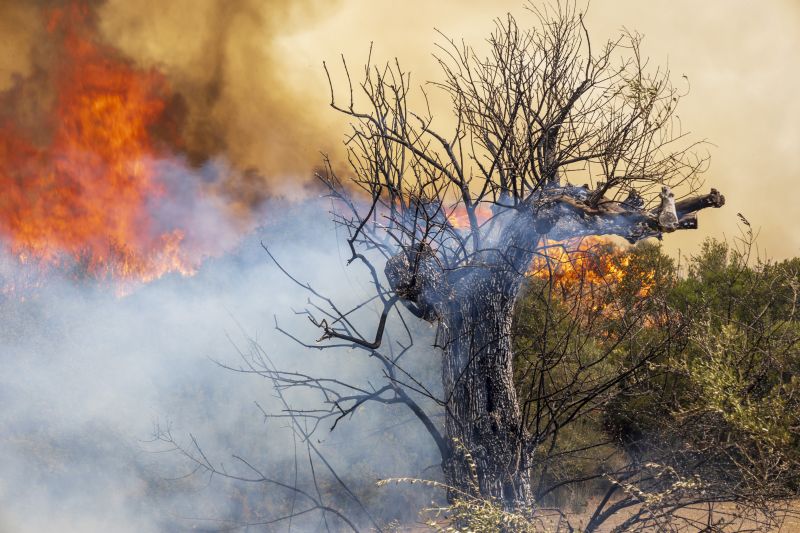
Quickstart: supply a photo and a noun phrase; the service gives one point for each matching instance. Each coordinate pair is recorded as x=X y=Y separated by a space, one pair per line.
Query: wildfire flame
x=591 y=268
x=458 y=218
x=587 y=262
x=82 y=197
x=593 y=260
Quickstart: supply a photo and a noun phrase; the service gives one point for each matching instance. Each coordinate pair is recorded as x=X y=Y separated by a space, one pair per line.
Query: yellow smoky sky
x=742 y=59
x=251 y=73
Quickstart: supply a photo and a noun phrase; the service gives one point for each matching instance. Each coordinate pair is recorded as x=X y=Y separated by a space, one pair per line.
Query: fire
x=458 y=218
x=82 y=197
x=584 y=263
x=587 y=264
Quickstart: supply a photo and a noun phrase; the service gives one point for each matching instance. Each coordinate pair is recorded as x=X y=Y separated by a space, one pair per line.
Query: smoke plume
x=225 y=67
x=86 y=377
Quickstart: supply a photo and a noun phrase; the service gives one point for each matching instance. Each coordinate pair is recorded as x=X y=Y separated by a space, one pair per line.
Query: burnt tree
x=551 y=139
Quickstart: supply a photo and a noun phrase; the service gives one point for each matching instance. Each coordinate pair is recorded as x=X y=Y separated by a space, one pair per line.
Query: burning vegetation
x=81 y=194
x=592 y=261
x=570 y=365
x=594 y=275
x=587 y=268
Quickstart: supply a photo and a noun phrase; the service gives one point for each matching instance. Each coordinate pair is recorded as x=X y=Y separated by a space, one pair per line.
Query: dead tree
x=552 y=139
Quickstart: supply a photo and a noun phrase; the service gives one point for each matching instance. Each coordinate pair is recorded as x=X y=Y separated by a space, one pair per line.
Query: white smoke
x=86 y=376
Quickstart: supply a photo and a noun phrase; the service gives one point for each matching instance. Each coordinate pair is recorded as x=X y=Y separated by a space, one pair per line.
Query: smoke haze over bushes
x=85 y=376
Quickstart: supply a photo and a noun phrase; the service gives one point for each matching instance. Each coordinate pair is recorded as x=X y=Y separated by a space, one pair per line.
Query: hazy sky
x=740 y=56
x=252 y=73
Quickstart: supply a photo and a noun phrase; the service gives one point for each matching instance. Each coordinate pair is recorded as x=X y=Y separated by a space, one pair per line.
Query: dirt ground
x=791 y=523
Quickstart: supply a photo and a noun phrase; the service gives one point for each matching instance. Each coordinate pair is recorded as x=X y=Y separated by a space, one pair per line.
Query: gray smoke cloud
x=254 y=89
x=228 y=91
x=86 y=376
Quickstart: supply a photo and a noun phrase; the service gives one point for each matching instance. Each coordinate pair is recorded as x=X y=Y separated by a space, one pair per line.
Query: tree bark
x=489 y=448
x=484 y=421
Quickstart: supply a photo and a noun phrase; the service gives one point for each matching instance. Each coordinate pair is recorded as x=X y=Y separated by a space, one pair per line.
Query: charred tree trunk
x=523 y=127
x=483 y=421
x=473 y=306
x=489 y=448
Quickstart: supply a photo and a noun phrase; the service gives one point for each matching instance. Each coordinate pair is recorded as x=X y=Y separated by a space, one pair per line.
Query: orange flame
x=459 y=219
x=581 y=266
x=82 y=196
x=585 y=262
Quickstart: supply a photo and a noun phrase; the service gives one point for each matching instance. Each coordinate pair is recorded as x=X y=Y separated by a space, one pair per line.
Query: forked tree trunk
x=474 y=303
x=473 y=306
x=483 y=419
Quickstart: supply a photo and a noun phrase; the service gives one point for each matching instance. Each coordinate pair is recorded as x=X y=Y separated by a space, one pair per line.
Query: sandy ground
x=791 y=523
